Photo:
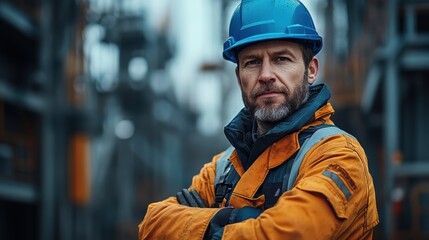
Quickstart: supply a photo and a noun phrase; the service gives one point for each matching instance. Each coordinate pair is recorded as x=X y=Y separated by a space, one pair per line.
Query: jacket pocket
x=332 y=188
x=239 y=201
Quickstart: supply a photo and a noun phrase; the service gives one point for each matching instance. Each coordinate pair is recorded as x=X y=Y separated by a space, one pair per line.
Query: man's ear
x=313 y=69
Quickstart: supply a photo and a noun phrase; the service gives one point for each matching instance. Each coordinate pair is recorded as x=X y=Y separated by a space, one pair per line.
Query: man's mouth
x=269 y=94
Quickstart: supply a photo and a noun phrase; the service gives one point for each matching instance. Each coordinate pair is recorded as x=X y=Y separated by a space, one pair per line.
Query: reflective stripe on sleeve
x=340 y=184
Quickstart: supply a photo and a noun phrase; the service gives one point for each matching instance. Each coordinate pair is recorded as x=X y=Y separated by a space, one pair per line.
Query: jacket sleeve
x=333 y=198
x=170 y=220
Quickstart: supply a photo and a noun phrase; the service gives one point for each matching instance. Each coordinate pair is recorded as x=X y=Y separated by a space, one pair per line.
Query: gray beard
x=268 y=115
x=271 y=114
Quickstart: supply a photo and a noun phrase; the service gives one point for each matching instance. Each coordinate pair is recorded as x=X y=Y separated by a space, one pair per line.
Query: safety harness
x=224 y=184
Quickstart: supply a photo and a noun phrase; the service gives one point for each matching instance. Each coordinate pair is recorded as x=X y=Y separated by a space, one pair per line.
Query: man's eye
x=251 y=62
x=282 y=59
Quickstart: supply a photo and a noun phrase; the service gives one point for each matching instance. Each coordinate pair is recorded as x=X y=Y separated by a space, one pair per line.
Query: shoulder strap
x=222 y=170
x=221 y=165
x=316 y=137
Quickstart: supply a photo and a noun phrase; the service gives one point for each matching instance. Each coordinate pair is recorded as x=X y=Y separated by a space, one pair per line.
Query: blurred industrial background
x=108 y=105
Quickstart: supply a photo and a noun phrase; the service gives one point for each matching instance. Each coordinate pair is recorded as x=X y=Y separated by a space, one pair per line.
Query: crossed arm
x=314 y=209
x=187 y=216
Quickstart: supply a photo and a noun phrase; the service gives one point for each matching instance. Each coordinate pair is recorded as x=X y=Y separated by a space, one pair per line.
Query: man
x=290 y=174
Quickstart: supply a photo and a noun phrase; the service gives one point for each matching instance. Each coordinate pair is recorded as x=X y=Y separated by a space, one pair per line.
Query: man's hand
x=242 y=214
x=190 y=198
x=227 y=216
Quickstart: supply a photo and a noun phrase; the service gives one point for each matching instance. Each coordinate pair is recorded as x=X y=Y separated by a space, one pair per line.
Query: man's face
x=273 y=79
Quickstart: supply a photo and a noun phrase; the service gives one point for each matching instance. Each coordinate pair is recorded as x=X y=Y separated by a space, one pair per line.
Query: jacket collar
x=239 y=130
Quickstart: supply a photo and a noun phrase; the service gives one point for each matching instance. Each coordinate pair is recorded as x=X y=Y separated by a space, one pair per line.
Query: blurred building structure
x=378 y=71
x=106 y=106
x=91 y=125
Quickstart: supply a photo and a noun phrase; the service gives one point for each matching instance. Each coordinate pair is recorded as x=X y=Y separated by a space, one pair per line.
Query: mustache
x=268 y=87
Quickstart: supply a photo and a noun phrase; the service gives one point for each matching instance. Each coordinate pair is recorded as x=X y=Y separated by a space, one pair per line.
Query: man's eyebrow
x=249 y=56
x=275 y=52
x=284 y=51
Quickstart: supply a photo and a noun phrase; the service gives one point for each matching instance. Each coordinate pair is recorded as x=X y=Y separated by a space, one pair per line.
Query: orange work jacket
x=315 y=208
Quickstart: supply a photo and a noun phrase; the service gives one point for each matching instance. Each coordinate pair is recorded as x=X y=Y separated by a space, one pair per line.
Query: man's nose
x=267 y=72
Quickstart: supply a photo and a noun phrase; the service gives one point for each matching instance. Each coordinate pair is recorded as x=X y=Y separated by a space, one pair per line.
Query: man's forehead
x=270 y=45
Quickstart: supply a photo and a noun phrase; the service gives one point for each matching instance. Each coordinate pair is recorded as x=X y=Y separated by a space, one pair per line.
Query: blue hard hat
x=259 y=20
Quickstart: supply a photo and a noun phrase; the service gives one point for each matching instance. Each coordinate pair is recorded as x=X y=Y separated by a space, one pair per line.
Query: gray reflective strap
x=221 y=164
x=340 y=184
x=317 y=136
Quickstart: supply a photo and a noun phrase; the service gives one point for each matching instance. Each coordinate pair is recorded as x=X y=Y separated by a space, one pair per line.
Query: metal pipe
x=391 y=117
